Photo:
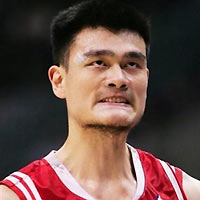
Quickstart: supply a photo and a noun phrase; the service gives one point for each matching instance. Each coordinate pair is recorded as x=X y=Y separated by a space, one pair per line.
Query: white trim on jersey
x=139 y=173
x=173 y=168
x=65 y=176
x=70 y=182
x=17 y=183
x=29 y=183
x=173 y=180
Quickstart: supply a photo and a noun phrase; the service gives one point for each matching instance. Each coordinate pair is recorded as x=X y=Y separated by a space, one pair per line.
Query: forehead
x=102 y=38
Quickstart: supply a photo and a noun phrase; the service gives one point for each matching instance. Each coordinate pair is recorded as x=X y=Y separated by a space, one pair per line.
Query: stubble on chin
x=107 y=129
x=111 y=129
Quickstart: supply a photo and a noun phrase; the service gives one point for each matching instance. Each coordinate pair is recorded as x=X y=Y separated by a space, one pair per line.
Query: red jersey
x=49 y=179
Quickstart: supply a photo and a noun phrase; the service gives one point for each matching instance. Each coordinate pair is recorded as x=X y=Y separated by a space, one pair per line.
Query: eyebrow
x=95 y=53
x=104 y=52
x=135 y=54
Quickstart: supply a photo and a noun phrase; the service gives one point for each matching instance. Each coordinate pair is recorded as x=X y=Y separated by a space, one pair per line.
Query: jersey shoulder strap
x=21 y=182
x=173 y=179
x=157 y=169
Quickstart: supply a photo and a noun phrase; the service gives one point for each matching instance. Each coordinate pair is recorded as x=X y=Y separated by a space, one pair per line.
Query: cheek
x=140 y=84
x=79 y=92
x=140 y=91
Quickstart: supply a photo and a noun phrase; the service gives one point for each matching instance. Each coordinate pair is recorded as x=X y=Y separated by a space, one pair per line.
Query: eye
x=98 y=63
x=132 y=64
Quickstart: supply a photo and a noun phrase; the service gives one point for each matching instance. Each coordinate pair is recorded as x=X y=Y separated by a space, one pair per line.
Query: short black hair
x=115 y=15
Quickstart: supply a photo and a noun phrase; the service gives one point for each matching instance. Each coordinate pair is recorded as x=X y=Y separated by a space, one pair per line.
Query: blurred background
x=33 y=121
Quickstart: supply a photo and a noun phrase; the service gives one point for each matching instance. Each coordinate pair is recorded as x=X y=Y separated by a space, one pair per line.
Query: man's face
x=107 y=77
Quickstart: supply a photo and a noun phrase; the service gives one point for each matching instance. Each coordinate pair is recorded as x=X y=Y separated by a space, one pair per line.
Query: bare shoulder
x=7 y=194
x=191 y=187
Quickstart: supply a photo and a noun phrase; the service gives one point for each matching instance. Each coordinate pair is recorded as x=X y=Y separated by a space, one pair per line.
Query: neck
x=92 y=155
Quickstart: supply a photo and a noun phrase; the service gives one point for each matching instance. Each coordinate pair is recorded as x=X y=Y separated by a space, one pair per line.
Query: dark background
x=33 y=121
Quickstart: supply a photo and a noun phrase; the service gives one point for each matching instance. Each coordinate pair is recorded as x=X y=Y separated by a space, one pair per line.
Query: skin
x=103 y=64
x=111 y=72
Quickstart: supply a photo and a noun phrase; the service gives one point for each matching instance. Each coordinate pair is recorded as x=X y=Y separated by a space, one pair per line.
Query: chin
x=117 y=120
x=121 y=119
x=111 y=124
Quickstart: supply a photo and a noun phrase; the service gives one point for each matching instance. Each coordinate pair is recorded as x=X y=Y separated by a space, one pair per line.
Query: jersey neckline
x=70 y=182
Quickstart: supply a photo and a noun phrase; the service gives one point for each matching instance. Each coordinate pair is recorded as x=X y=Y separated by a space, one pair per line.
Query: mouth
x=115 y=100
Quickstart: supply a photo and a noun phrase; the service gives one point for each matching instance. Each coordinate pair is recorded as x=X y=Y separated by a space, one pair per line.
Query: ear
x=56 y=77
x=148 y=73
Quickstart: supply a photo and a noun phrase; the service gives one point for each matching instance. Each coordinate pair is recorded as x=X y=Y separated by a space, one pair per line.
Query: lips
x=115 y=100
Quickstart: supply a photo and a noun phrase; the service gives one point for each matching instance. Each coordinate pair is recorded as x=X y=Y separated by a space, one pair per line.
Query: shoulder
x=191 y=187
x=19 y=184
x=7 y=194
x=146 y=156
x=149 y=161
x=154 y=168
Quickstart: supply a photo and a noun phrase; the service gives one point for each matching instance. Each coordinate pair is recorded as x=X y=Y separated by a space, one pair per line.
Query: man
x=100 y=50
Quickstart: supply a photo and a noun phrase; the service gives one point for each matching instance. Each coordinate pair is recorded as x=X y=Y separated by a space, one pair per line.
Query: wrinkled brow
x=95 y=53
x=135 y=54
x=104 y=52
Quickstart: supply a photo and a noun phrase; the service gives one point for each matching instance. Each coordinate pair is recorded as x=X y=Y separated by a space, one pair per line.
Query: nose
x=116 y=78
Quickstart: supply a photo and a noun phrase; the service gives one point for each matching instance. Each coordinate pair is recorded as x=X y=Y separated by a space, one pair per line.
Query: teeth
x=115 y=100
